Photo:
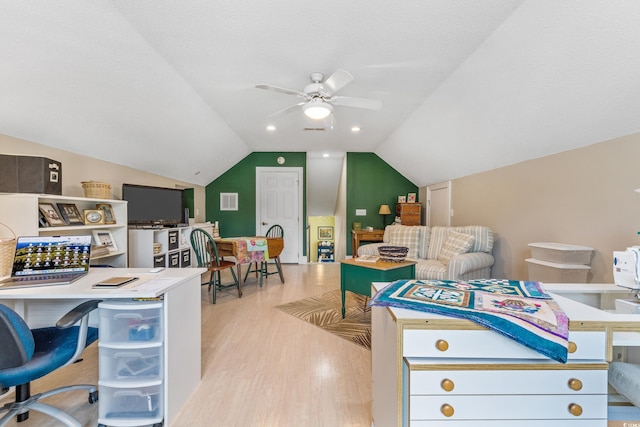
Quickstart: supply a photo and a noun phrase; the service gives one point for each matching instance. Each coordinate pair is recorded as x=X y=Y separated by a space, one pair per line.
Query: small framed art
x=93 y=216
x=109 y=217
x=402 y=199
x=105 y=238
x=51 y=215
x=70 y=213
x=325 y=233
x=411 y=198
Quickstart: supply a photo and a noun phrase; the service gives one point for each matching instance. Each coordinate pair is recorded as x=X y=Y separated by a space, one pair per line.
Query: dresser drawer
x=510 y=423
x=505 y=407
x=486 y=344
x=500 y=381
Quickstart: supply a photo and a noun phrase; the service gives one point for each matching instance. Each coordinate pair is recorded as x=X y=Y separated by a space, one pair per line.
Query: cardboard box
x=30 y=174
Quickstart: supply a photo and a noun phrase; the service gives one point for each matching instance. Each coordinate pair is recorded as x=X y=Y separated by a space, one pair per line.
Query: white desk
x=491 y=373
x=180 y=289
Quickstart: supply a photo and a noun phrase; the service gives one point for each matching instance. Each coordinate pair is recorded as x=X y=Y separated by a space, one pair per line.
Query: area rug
x=325 y=312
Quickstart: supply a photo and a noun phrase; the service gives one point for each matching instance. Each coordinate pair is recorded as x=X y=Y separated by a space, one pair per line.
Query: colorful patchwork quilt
x=520 y=310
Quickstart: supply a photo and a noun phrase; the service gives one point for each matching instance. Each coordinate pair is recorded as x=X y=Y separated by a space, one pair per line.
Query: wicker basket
x=7 y=249
x=96 y=190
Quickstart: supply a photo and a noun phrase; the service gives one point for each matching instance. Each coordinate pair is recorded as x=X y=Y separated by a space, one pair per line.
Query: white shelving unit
x=174 y=247
x=20 y=212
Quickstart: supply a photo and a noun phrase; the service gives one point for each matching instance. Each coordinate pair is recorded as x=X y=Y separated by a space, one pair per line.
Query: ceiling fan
x=319 y=96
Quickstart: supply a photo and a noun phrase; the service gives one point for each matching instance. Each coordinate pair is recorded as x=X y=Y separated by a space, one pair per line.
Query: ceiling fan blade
x=347 y=101
x=337 y=81
x=286 y=110
x=281 y=89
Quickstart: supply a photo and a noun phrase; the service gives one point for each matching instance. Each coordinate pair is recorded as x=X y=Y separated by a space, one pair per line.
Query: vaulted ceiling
x=466 y=85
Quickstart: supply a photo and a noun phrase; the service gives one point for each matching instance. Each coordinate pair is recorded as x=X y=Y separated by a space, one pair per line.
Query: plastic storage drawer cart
x=131 y=373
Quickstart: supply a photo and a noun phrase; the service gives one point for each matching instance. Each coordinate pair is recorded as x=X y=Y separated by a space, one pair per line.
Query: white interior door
x=439 y=204
x=279 y=201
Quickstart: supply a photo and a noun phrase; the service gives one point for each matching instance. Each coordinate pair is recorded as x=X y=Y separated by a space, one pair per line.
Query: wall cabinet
x=409 y=213
x=160 y=247
x=21 y=213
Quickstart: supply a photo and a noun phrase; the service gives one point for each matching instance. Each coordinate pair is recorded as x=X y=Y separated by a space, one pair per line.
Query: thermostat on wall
x=281 y=160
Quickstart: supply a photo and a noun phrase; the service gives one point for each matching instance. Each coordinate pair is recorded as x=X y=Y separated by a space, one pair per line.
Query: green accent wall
x=241 y=179
x=372 y=182
x=188 y=201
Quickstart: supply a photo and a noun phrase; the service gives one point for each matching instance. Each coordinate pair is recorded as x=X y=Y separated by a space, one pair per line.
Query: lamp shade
x=384 y=210
x=317 y=109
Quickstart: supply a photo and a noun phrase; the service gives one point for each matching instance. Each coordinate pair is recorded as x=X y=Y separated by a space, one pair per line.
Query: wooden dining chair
x=275 y=231
x=207 y=256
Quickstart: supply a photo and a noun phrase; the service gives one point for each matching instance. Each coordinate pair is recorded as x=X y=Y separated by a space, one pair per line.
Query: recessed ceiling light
x=271 y=128
x=356 y=129
x=325 y=155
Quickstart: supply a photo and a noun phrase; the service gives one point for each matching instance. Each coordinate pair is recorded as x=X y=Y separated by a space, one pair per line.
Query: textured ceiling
x=466 y=86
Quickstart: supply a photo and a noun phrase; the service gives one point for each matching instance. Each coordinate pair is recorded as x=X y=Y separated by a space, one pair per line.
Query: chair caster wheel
x=93 y=397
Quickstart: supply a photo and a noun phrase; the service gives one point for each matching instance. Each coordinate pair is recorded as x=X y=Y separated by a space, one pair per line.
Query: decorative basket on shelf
x=7 y=249
x=393 y=253
x=96 y=189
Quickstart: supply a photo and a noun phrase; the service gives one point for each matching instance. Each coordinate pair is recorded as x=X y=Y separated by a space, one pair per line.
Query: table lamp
x=384 y=211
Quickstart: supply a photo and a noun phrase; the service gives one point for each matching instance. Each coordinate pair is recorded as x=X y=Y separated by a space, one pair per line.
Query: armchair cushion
x=407 y=236
x=456 y=244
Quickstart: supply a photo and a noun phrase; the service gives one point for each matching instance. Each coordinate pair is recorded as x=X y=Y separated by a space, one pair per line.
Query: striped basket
x=96 y=190
x=7 y=249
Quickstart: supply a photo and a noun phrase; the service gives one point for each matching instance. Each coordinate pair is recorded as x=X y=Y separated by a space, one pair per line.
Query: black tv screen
x=153 y=205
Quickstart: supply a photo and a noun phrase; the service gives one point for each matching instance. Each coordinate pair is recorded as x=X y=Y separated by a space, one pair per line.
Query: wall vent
x=314 y=129
x=228 y=201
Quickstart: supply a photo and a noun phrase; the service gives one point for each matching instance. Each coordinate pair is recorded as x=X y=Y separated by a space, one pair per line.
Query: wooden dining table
x=237 y=248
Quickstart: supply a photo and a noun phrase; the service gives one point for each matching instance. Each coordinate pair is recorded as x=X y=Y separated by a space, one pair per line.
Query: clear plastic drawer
x=142 y=403
x=131 y=364
x=136 y=322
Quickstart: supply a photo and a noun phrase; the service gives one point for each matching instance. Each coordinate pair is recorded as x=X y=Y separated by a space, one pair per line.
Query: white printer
x=626 y=268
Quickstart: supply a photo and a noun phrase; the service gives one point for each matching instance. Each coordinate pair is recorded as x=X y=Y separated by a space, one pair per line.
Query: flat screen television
x=153 y=206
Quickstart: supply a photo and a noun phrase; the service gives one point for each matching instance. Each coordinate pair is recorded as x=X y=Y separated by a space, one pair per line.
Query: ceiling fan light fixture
x=317 y=109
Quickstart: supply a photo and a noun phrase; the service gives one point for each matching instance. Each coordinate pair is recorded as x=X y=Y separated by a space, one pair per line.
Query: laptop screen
x=51 y=254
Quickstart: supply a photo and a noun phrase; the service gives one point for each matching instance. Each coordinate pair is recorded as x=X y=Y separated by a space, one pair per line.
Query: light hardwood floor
x=260 y=366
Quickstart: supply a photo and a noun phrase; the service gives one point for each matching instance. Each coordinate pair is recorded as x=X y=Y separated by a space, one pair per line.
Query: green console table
x=357 y=276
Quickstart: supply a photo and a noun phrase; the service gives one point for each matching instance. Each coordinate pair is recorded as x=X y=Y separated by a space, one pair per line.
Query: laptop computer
x=48 y=260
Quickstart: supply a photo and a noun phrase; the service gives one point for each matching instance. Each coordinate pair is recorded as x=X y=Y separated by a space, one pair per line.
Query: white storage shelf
x=131 y=368
x=173 y=243
x=561 y=253
x=20 y=212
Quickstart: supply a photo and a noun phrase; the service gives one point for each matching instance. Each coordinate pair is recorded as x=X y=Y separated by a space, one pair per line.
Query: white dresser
x=437 y=371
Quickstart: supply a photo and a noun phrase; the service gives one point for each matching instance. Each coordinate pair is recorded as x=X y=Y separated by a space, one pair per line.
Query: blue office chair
x=29 y=354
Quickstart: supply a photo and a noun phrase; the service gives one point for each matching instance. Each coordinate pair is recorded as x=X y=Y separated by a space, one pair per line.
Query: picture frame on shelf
x=109 y=217
x=411 y=198
x=357 y=226
x=93 y=216
x=105 y=238
x=325 y=233
x=51 y=215
x=70 y=213
x=402 y=199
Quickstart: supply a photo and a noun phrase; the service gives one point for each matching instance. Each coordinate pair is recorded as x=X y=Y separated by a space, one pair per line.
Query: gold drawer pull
x=575 y=384
x=575 y=409
x=442 y=345
x=447 y=384
x=572 y=347
x=447 y=410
